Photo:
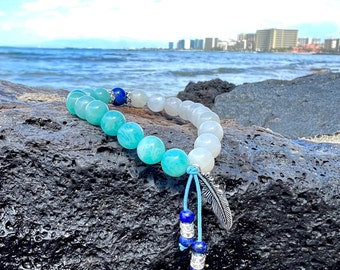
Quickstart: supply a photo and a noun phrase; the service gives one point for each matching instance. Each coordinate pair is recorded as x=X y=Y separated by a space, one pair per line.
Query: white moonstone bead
x=207 y=116
x=192 y=109
x=196 y=114
x=202 y=158
x=171 y=106
x=210 y=142
x=184 y=109
x=211 y=127
x=138 y=98
x=156 y=102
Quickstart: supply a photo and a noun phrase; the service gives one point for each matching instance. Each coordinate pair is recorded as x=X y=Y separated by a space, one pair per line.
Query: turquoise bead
x=102 y=94
x=95 y=110
x=89 y=92
x=80 y=105
x=175 y=162
x=129 y=135
x=111 y=122
x=71 y=99
x=150 y=150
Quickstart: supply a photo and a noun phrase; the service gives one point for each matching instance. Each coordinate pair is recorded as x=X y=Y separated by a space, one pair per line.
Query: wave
x=214 y=71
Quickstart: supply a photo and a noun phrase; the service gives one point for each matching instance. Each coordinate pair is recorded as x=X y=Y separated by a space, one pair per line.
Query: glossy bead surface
x=199 y=247
x=71 y=99
x=120 y=96
x=196 y=114
x=175 y=162
x=185 y=243
x=102 y=94
x=150 y=150
x=207 y=116
x=183 y=109
x=212 y=127
x=138 y=99
x=95 y=111
x=129 y=135
x=156 y=102
x=191 y=110
x=111 y=122
x=186 y=216
x=88 y=91
x=80 y=106
x=202 y=158
x=171 y=106
x=210 y=142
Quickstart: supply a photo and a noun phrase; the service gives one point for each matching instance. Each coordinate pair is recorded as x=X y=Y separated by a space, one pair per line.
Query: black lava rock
x=72 y=198
x=205 y=92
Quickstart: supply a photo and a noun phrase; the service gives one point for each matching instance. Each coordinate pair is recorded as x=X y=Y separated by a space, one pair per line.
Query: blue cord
x=193 y=173
x=199 y=209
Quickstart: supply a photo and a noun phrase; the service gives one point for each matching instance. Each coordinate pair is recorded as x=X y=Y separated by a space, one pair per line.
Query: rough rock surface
x=304 y=107
x=71 y=198
x=206 y=91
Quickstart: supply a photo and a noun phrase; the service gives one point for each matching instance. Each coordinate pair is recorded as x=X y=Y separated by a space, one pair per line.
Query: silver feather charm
x=214 y=195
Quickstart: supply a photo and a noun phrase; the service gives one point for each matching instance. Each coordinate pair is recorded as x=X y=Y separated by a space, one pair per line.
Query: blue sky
x=34 y=21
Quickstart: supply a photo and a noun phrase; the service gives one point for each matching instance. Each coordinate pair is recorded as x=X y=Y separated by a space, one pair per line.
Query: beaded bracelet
x=91 y=105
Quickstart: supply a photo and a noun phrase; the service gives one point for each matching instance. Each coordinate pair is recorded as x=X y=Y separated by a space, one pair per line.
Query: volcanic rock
x=304 y=107
x=72 y=198
x=205 y=92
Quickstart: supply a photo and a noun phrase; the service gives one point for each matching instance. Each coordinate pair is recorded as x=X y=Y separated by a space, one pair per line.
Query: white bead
x=202 y=158
x=207 y=116
x=156 y=102
x=138 y=98
x=171 y=106
x=196 y=114
x=211 y=127
x=210 y=142
x=184 y=109
x=192 y=109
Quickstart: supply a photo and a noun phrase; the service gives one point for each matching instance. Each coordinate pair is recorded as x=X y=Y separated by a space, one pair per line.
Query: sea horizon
x=153 y=70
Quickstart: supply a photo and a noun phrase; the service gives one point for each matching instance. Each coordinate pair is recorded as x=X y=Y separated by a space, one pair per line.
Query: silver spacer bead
x=187 y=229
x=197 y=261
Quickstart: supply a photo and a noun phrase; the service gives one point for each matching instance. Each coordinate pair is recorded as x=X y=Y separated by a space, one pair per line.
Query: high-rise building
x=171 y=45
x=246 y=41
x=208 y=44
x=332 y=45
x=274 y=39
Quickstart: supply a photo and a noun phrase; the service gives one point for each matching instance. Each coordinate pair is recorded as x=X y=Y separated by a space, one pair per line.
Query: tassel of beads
x=187 y=217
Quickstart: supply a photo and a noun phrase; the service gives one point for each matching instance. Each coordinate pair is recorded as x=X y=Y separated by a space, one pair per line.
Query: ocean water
x=161 y=71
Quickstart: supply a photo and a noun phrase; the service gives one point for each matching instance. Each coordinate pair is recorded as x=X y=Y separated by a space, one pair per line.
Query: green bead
x=129 y=135
x=150 y=150
x=111 y=122
x=71 y=99
x=81 y=104
x=95 y=110
x=175 y=162
x=102 y=94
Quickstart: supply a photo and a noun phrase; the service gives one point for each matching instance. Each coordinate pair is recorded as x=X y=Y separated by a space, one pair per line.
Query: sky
x=161 y=21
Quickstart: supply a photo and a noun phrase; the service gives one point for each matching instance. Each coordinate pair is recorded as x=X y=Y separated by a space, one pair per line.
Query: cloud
x=166 y=20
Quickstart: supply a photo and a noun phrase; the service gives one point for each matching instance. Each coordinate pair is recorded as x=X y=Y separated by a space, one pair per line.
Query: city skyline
x=156 y=22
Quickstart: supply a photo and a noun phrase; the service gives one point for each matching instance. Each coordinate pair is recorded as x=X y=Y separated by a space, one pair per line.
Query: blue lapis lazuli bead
x=199 y=247
x=186 y=216
x=120 y=96
x=185 y=243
